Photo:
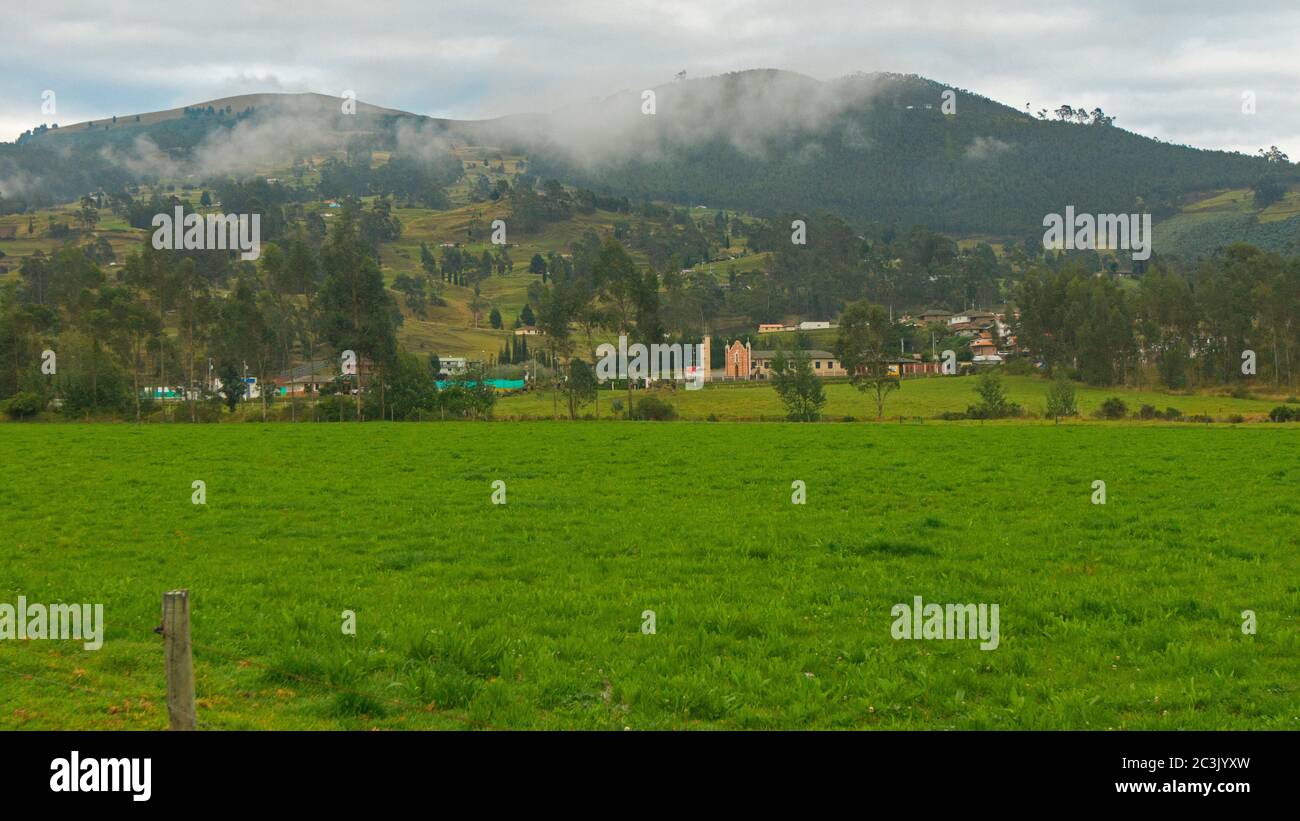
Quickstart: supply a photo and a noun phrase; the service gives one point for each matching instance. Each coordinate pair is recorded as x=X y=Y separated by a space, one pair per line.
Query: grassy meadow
x=924 y=397
x=768 y=614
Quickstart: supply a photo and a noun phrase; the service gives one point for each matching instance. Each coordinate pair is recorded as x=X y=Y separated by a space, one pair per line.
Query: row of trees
x=159 y=320
x=1233 y=316
x=604 y=289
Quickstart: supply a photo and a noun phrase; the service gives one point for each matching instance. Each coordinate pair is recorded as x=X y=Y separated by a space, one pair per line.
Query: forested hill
x=873 y=148
x=879 y=148
x=235 y=137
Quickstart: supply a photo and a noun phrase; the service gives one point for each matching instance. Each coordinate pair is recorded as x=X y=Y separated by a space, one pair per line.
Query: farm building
x=932 y=315
x=308 y=378
x=743 y=362
x=904 y=367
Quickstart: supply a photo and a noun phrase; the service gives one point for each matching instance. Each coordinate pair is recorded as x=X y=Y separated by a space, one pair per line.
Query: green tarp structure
x=499 y=384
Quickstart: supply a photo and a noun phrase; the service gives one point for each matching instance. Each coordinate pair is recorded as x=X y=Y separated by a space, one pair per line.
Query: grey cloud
x=1166 y=68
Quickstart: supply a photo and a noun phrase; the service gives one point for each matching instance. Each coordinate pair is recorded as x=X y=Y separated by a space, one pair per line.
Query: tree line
x=161 y=320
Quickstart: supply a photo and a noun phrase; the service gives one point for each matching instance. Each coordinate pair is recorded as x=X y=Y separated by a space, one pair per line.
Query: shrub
x=1282 y=413
x=654 y=409
x=23 y=405
x=110 y=390
x=1020 y=367
x=207 y=410
x=1061 y=400
x=1240 y=392
x=993 y=399
x=1236 y=419
x=1200 y=417
x=1148 y=412
x=1113 y=408
x=336 y=408
x=1173 y=414
x=952 y=416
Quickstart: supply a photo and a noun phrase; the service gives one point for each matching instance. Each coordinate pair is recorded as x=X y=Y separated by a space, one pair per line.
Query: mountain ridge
x=877 y=148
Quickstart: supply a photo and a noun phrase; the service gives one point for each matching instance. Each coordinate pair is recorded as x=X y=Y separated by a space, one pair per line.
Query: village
x=987 y=337
x=986 y=334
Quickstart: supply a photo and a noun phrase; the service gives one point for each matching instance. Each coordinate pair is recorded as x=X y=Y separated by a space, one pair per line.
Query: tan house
x=983 y=347
x=743 y=362
x=824 y=363
x=309 y=378
x=926 y=317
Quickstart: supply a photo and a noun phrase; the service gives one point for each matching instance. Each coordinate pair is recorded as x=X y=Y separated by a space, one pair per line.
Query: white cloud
x=1167 y=68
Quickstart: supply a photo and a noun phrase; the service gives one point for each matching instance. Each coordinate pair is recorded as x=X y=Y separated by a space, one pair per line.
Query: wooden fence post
x=180 y=663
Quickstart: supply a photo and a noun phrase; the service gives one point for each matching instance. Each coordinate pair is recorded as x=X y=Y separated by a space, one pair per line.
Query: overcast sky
x=1173 y=70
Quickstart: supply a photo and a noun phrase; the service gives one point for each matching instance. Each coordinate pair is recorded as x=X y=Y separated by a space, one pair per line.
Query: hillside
x=1219 y=218
x=875 y=148
x=872 y=148
x=305 y=103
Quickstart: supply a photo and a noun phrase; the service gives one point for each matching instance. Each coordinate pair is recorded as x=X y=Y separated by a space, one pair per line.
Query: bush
x=1200 y=417
x=336 y=408
x=1113 y=408
x=1148 y=412
x=653 y=409
x=1061 y=400
x=952 y=416
x=1019 y=366
x=208 y=410
x=1236 y=419
x=1282 y=413
x=993 y=404
x=23 y=405
x=1173 y=414
x=109 y=390
x=1241 y=392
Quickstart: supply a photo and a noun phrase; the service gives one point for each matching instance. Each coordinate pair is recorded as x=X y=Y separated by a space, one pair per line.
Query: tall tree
x=195 y=305
x=866 y=342
x=356 y=308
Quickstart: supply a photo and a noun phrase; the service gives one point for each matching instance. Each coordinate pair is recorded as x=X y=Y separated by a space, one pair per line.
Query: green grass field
x=769 y=614
x=925 y=397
